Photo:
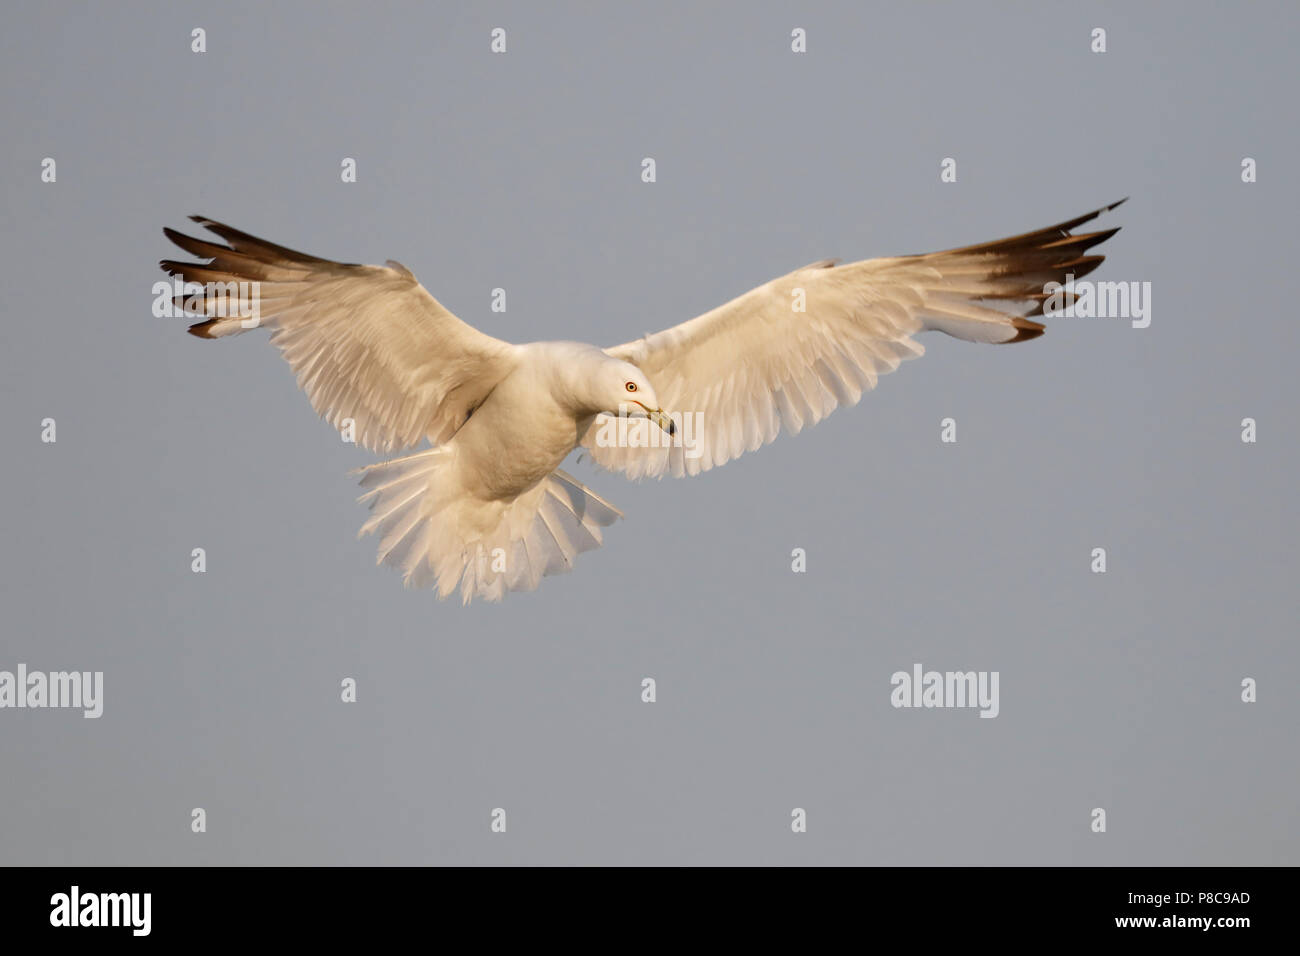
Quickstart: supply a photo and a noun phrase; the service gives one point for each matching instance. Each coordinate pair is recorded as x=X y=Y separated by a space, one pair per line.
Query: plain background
x=522 y=171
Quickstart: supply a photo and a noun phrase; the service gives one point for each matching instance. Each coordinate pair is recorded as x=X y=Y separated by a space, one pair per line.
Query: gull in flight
x=487 y=509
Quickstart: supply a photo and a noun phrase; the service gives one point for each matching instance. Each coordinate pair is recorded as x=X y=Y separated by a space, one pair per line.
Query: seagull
x=486 y=508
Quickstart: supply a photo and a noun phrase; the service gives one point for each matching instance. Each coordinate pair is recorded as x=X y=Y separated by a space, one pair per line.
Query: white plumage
x=486 y=510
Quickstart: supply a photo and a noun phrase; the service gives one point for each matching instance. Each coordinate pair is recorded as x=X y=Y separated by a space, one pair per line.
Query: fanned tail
x=440 y=537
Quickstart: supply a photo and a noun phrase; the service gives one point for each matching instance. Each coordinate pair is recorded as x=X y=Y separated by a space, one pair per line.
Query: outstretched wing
x=367 y=343
x=788 y=353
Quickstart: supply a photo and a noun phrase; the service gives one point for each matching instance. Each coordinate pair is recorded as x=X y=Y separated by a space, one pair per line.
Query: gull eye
x=631 y=386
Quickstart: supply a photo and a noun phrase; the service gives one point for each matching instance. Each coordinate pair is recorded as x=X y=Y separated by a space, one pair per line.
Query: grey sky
x=221 y=690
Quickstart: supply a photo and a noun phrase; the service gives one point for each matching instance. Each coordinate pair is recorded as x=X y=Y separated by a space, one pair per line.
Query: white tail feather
x=439 y=536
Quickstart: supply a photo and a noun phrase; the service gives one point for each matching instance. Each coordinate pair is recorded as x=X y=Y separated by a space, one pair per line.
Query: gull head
x=625 y=390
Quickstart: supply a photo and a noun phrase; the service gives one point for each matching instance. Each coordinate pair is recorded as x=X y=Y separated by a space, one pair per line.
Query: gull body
x=486 y=508
x=539 y=412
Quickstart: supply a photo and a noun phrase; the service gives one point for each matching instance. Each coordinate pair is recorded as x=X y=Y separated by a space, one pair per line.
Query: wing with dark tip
x=367 y=343
x=788 y=353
